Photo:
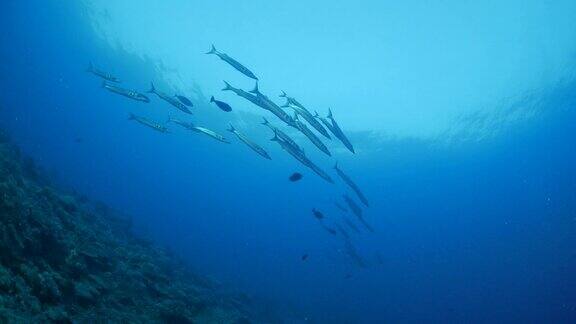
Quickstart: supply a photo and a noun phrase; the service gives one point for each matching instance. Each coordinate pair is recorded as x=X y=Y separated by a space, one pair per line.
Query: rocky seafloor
x=64 y=259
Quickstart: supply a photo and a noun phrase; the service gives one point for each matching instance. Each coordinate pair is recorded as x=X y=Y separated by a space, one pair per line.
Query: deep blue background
x=475 y=232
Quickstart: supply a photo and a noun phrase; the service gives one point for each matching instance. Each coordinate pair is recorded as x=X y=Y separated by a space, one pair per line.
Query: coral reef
x=64 y=259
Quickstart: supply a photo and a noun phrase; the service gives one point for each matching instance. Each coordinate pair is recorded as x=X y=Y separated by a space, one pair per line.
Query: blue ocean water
x=475 y=223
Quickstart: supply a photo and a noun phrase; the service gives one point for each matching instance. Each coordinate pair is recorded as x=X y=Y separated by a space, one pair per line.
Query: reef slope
x=64 y=259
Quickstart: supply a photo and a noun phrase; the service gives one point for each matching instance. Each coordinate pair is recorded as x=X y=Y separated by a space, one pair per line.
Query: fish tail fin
x=316 y=115
x=275 y=138
x=255 y=90
x=283 y=94
x=152 y=88
x=329 y=114
x=227 y=86
x=336 y=166
x=231 y=129
x=212 y=50
x=265 y=122
x=104 y=84
x=212 y=99
x=131 y=116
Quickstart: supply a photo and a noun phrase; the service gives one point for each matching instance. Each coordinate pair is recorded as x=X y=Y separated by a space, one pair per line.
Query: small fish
x=331 y=231
x=317 y=214
x=295 y=177
x=184 y=100
x=222 y=105
x=149 y=123
x=125 y=92
x=304 y=257
x=104 y=75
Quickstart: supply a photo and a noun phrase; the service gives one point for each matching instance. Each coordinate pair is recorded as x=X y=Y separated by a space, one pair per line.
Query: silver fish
x=203 y=130
x=339 y=133
x=326 y=123
x=149 y=123
x=305 y=113
x=104 y=75
x=255 y=147
x=313 y=138
x=299 y=155
x=170 y=99
x=273 y=107
x=135 y=95
x=262 y=102
x=282 y=135
x=235 y=64
x=352 y=185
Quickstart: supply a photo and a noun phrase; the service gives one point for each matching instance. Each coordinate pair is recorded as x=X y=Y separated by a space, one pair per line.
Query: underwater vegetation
x=64 y=259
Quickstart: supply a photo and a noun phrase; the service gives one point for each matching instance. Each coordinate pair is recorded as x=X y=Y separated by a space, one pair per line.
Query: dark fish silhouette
x=235 y=64
x=317 y=214
x=343 y=231
x=351 y=225
x=185 y=100
x=352 y=185
x=222 y=105
x=330 y=230
x=357 y=211
x=342 y=208
x=295 y=177
x=304 y=257
x=354 y=255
